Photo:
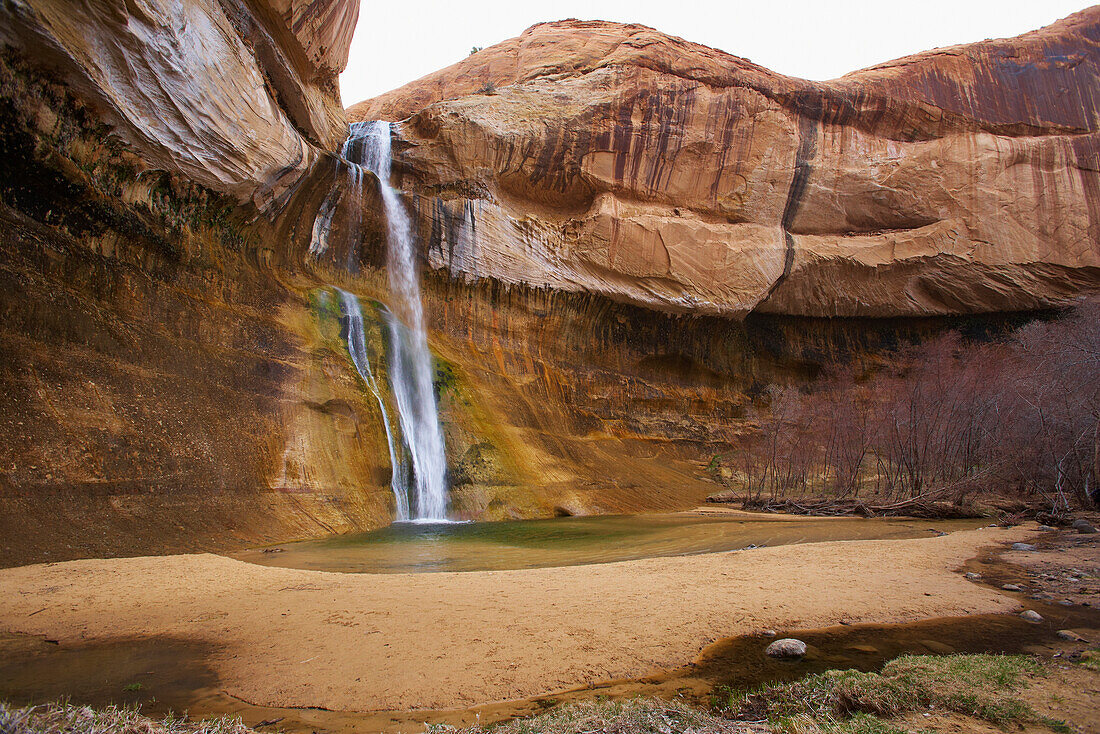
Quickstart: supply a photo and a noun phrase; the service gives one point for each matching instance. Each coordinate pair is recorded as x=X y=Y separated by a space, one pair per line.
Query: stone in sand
x=1070 y=635
x=769 y=633
x=786 y=648
x=1031 y=616
x=1012 y=587
x=971 y=576
x=1023 y=547
x=1085 y=528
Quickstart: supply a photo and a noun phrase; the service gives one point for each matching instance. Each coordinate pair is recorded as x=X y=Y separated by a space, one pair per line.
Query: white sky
x=398 y=41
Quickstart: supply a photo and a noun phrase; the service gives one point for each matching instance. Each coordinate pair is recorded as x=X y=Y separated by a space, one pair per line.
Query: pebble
x=1012 y=587
x=1031 y=616
x=786 y=648
x=1082 y=525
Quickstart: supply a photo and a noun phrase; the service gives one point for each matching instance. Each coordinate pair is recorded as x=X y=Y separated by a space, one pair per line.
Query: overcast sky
x=398 y=41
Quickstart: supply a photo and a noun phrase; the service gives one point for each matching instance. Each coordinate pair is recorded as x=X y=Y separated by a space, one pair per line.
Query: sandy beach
x=449 y=640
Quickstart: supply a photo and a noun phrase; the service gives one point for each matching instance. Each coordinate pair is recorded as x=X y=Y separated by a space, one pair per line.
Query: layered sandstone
x=238 y=96
x=615 y=160
x=173 y=370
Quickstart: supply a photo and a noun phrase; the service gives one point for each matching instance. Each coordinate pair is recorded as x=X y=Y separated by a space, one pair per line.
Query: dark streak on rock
x=803 y=167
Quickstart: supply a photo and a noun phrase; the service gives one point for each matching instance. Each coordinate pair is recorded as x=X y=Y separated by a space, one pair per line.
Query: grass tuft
x=66 y=718
x=853 y=702
x=631 y=716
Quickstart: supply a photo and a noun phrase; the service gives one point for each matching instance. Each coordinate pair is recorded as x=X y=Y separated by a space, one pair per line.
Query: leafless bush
x=942 y=419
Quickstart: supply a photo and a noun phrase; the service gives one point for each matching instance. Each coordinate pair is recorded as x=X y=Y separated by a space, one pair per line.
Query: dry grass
x=633 y=716
x=1090 y=659
x=853 y=702
x=64 y=718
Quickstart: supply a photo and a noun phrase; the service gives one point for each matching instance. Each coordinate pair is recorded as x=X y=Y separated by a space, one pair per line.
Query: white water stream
x=410 y=361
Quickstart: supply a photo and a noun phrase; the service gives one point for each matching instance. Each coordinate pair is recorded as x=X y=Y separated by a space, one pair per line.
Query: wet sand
x=283 y=637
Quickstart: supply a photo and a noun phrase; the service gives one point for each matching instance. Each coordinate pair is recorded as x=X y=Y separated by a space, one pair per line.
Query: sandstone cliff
x=174 y=372
x=157 y=349
x=239 y=96
x=615 y=160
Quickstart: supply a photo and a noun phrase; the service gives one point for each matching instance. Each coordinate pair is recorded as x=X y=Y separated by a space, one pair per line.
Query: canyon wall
x=239 y=96
x=625 y=238
x=160 y=160
x=615 y=160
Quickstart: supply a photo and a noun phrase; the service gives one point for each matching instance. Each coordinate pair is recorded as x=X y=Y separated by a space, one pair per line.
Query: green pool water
x=572 y=541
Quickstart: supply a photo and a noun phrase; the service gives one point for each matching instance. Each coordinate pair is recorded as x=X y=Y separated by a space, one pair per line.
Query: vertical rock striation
x=616 y=160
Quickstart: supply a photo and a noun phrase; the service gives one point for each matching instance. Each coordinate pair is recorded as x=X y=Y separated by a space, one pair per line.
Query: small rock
x=1086 y=529
x=1031 y=616
x=971 y=576
x=1065 y=602
x=1070 y=635
x=786 y=648
x=1047 y=527
x=1012 y=587
x=769 y=633
x=1079 y=522
x=1023 y=547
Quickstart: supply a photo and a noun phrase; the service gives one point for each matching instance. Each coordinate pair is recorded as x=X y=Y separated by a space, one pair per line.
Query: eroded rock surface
x=616 y=160
x=239 y=96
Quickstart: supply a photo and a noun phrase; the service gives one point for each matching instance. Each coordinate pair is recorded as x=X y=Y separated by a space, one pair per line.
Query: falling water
x=357 y=348
x=410 y=361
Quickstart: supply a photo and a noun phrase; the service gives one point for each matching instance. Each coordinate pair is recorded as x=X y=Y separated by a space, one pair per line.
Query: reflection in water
x=420 y=548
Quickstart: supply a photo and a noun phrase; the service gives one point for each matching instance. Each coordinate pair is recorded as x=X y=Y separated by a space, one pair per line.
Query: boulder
x=788 y=647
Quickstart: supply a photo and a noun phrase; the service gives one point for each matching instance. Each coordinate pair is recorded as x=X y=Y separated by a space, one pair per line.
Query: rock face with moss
x=613 y=159
x=159 y=361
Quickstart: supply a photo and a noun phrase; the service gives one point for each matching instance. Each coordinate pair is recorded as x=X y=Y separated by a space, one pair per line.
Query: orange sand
x=451 y=640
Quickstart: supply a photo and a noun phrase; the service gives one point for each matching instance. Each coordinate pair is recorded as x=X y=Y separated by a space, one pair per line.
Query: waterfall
x=410 y=361
x=357 y=348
